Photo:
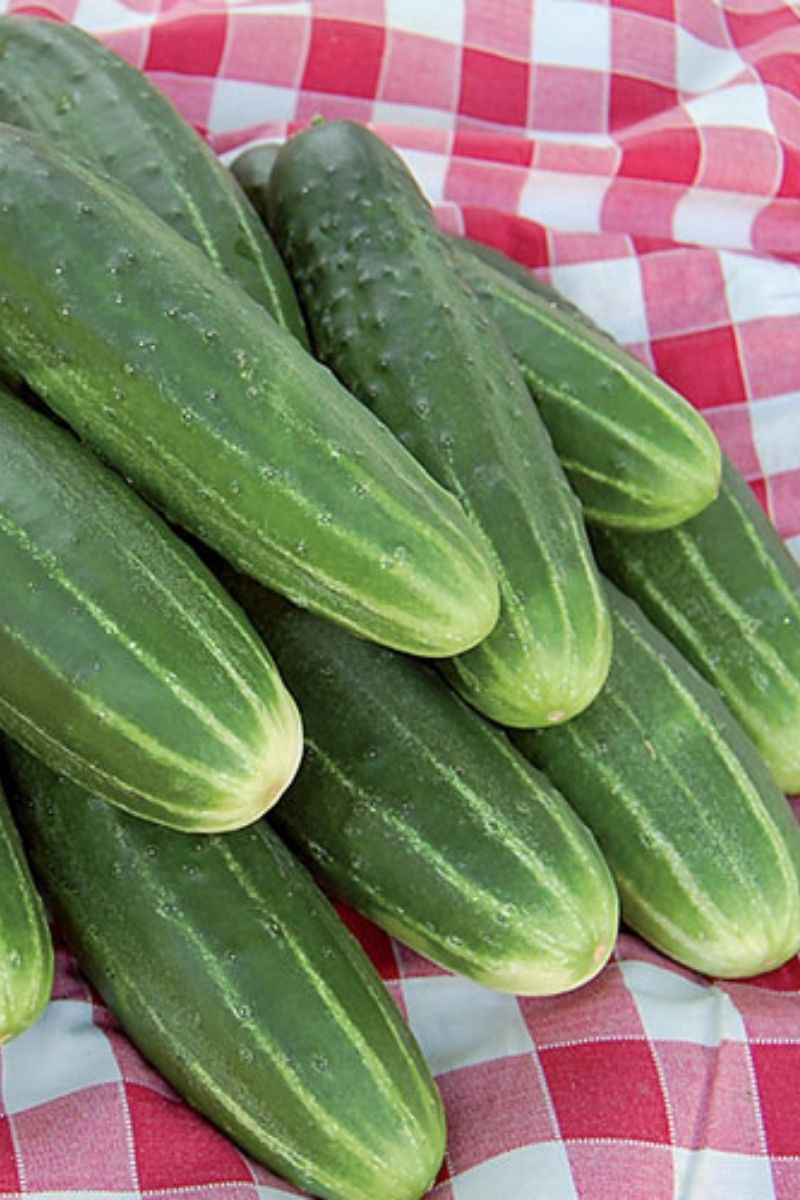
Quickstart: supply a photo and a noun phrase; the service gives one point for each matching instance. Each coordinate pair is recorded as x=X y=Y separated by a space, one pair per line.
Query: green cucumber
x=421 y=814
x=237 y=980
x=724 y=588
x=703 y=846
x=26 y=951
x=251 y=169
x=58 y=81
x=185 y=385
x=637 y=454
x=388 y=313
x=125 y=664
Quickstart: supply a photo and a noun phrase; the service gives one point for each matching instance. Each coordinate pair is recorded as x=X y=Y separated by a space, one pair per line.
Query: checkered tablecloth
x=644 y=156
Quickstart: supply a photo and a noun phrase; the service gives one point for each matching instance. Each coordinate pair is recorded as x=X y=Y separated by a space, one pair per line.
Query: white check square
x=569 y=33
x=62 y=1053
x=675 y=1009
x=458 y=1022
x=530 y=1173
x=717 y=1175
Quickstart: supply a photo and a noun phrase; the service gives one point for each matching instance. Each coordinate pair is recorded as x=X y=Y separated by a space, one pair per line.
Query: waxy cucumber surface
x=125 y=664
x=231 y=973
x=703 y=846
x=26 y=951
x=637 y=453
x=58 y=81
x=183 y=383
x=422 y=815
x=388 y=312
x=724 y=588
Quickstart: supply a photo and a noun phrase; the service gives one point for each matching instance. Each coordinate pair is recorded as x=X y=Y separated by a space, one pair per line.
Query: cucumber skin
x=387 y=311
x=420 y=814
x=703 y=846
x=58 y=81
x=637 y=454
x=181 y=381
x=26 y=950
x=125 y=664
x=724 y=588
x=235 y=972
x=251 y=169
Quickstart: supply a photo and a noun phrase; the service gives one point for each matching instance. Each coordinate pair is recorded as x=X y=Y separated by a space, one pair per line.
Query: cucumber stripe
x=583 y=338
x=320 y=985
x=406 y=834
x=102 y=619
x=157 y=751
x=488 y=818
x=733 y=764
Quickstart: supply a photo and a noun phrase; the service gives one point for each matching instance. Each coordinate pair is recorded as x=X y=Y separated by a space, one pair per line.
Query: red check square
x=777 y=1069
x=602 y=1008
x=606 y=1089
x=633 y=100
x=9 y=1176
x=635 y=1172
x=711 y=1096
x=495 y=1107
x=77 y=1142
x=770 y=364
x=734 y=430
x=344 y=58
x=192 y=47
x=567 y=100
x=702 y=366
x=493 y=88
x=671 y=155
x=270 y=52
x=420 y=71
x=171 y=1140
x=683 y=291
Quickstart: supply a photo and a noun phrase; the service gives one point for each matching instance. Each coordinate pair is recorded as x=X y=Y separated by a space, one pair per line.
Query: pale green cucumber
x=724 y=588
x=124 y=663
x=703 y=846
x=637 y=454
x=185 y=385
x=26 y=951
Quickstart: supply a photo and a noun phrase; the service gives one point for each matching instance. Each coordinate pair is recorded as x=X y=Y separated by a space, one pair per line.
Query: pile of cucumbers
x=285 y=473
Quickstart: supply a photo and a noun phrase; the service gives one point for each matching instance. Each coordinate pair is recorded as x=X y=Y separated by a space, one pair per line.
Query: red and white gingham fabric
x=643 y=155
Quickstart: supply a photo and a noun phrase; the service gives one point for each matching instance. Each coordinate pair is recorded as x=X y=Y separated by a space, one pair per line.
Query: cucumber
x=240 y=984
x=26 y=951
x=724 y=588
x=251 y=169
x=422 y=815
x=125 y=664
x=388 y=313
x=703 y=846
x=637 y=454
x=58 y=81
x=185 y=385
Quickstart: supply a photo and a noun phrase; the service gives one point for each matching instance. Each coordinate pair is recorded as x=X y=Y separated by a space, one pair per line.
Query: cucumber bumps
x=388 y=312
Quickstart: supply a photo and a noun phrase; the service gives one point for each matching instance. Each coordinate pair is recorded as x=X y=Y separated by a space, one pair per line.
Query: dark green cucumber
x=724 y=588
x=58 y=81
x=637 y=454
x=388 y=312
x=703 y=846
x=231 y=973
x=125 y=664
x=26 y=951
x=422 y=815
x=195 y=394
x=251 y=169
